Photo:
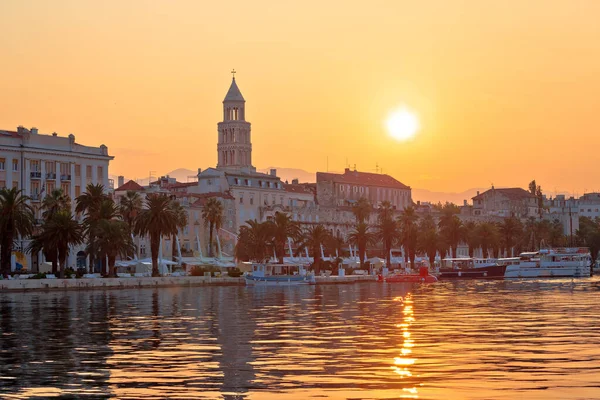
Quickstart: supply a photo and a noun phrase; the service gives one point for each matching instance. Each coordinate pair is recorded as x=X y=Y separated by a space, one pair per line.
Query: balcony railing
x=51 y=175
x=35 y=197
x=35 y=174
x=65 y=177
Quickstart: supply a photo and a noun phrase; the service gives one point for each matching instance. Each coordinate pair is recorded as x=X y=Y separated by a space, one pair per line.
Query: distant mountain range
x=288 y=174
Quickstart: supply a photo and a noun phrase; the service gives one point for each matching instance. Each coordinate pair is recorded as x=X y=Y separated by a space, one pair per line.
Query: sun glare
x=402 y=124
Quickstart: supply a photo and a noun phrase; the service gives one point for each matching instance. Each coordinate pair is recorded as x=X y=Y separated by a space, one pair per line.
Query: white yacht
x=548 y=263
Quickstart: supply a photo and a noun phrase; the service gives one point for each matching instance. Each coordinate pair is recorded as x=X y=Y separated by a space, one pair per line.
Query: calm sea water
x=456 y=340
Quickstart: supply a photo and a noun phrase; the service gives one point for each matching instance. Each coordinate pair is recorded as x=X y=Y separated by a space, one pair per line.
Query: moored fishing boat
x=468 y=268
x=278 y=275
x=422 y=277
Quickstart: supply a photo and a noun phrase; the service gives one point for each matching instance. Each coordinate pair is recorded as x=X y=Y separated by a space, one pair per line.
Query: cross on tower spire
x=233 y=71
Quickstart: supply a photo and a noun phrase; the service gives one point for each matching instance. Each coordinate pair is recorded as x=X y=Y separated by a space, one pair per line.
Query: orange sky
x=506 y=91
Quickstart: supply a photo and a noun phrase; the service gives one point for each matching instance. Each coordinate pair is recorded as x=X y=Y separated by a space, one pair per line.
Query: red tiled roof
x=297 y=188
x=181 y=185
x=511 y=193
x=130 y=185
x=362 y=178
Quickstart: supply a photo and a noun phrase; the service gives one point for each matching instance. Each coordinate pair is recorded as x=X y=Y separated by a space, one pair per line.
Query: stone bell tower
x=234 y=147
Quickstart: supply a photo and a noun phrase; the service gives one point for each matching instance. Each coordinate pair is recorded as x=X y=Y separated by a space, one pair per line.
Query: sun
x=402 y=124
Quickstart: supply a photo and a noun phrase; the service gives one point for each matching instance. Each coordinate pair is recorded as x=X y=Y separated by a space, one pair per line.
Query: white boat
x=548 y=263
x=278 y=275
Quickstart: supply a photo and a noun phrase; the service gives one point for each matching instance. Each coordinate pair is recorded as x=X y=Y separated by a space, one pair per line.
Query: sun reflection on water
x=404 y=361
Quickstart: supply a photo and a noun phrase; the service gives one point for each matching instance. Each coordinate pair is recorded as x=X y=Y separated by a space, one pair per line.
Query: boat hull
x=412 y=278
x=547 y=272
x=287 y=280
x=489 y=272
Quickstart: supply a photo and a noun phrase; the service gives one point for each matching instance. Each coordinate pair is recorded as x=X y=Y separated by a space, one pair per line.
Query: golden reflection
x=402 y=363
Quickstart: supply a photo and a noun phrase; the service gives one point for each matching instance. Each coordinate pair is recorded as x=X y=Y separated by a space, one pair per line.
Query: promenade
x=150 y=282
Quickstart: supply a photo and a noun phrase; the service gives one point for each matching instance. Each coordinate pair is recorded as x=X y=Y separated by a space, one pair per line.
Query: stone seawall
x=148 y=282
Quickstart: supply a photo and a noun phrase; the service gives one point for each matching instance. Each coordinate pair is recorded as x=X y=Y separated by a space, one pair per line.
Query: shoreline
x=29 y=285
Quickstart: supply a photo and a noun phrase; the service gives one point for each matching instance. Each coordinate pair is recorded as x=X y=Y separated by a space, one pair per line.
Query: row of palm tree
x=392 y=229
x=106 y=227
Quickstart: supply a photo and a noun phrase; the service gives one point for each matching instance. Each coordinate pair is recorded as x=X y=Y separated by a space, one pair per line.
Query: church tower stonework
x=234 y=146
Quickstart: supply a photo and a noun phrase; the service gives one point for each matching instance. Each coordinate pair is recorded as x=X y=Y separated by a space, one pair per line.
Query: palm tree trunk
x=62 y=259
x=154 y=243
x=388 y=255
x=173 y=249
x=111 y=266
x=210 y=239
x=5 y=253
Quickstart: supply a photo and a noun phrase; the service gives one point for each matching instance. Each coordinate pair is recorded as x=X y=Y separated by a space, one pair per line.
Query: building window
x=362 y=189
x=251 y=198
x=15 y=165
x=35 y=166
x=342 y=188
x=88 y=171
x=237 y=181
x=2 y=166
x=355 y=189
x=77 y=170
x=209 y=182
x=77 y=191
x=281 y=200
x=241 y=198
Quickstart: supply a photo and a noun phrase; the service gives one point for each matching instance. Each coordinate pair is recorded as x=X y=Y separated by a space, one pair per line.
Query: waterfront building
x=345 y=189
x=39 y=163
x=506 y=202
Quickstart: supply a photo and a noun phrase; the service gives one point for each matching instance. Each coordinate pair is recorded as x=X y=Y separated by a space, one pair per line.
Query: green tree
x=182 y=221
x=130 y=206
x=156 y=220
x=92 y=203
x=16 y=219
x=387 y=228
x=362 y=237
x=408 y=233
x=313 y=238
x=62 y=231
x=451 y=228
x=428 y=238
x=489 y=237
x=471 y=237
x=212 y=214
x=53 y=203
x=362 y=210
x=283 y=228
x=113 y=239
x=253 y=241
x=511 y=229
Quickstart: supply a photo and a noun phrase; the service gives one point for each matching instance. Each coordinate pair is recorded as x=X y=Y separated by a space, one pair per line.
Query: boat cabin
x=457 y=263
x=262 y=270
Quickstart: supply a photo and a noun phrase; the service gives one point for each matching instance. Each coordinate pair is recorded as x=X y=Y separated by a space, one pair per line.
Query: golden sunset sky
x=505 y=91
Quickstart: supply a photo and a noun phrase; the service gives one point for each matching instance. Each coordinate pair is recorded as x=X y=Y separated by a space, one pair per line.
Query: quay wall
x=148 y=282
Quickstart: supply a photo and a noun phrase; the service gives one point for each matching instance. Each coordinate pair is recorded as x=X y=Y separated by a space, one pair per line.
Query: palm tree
x=16 y=219
x=471 y=237
x=113 y=239
x=335 y=245
x=62 y=232
x=510 y=229
x=283 y=228
x=408 y=233
x=54 y=202
x=212 y=214
x=313 y=238
x=362 y=210
x=130 y=206
x=253 y=239
x=489 y=236
x=157 y=219
x=451 y=228
x=182 y=221
x=91 y=203
x=428 y=238
x=387 y=228
x=362 y=237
